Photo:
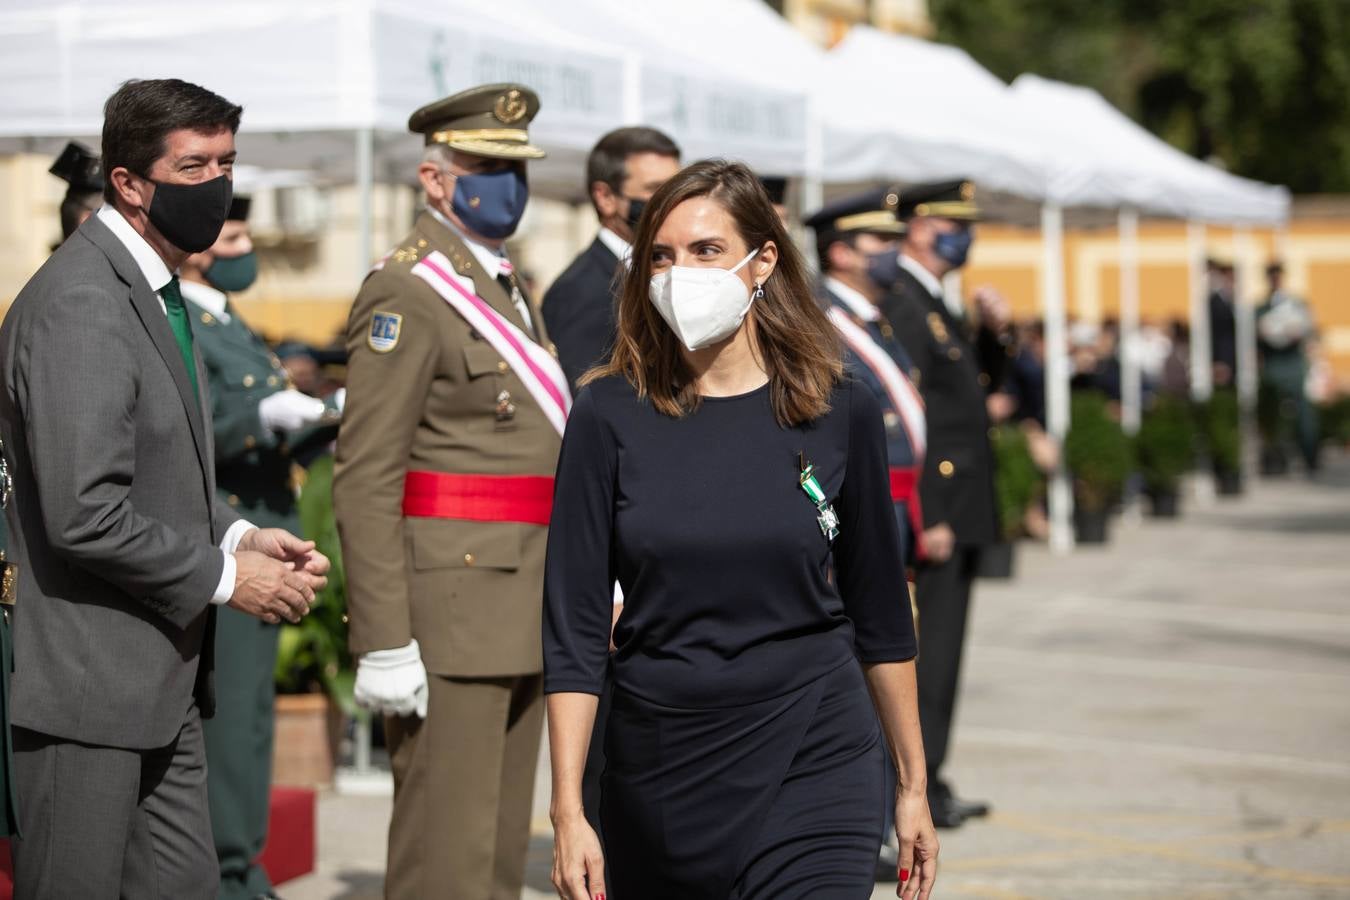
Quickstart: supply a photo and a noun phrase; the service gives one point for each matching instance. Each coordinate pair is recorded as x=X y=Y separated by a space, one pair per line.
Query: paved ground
x=1163 y=718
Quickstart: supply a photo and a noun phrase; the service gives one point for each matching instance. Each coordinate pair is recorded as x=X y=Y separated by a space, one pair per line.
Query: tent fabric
x=1157 y=176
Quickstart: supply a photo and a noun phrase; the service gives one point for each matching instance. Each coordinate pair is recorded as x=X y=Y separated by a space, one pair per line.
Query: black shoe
x=945 y=812
x=970 y=809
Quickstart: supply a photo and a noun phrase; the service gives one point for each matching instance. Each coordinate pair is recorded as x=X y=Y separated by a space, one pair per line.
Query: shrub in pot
x=1098 y=456
x=1223 y=439
x=1017 y=482
x=314 y=671
x=1165 y=446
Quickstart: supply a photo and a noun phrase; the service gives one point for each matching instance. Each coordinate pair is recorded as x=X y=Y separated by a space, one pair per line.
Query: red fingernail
x=904 y=874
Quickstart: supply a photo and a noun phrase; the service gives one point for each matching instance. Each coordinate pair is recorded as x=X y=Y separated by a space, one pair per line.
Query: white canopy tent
x=930 y=111
x=328 y=85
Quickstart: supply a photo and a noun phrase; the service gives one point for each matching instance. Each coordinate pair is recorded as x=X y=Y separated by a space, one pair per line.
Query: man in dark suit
x=1222 y=322
x=954 y=369
x=622 y=172
x=123 y=550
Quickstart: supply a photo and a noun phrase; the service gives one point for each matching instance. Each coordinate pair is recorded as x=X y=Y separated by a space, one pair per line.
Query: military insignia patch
x=938 y=327
x=510 y=107
x=384 y=331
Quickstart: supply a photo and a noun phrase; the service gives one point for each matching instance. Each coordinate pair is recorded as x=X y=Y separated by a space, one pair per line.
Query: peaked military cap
x=873 y=212
x=944 y=199
x=489 y=120
x=79 y=168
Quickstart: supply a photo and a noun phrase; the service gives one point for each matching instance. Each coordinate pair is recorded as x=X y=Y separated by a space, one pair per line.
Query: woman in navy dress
x=732 y=480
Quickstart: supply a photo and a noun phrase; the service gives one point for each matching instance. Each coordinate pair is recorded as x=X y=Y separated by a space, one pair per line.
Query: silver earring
x=759 y=292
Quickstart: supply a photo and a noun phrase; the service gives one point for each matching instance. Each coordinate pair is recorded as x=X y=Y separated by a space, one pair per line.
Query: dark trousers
x=101 y=823
x=239 y=750
x=943 y=598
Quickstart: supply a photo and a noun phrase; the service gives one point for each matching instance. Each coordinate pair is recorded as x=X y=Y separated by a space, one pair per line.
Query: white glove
x=392 y=682
x=340 y=398
x=289 y=411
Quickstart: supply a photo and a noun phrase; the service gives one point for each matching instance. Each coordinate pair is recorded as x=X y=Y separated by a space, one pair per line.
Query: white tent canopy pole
x=1131 y=376
x=1202 y=352
x=1056 y=371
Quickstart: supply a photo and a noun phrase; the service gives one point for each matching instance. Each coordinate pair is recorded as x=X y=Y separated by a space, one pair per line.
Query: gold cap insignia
x=510 y=107
x=967 y=191
x=938 y=327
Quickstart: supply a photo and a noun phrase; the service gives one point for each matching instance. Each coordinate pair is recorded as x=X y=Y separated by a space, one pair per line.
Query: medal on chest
x=826 y=517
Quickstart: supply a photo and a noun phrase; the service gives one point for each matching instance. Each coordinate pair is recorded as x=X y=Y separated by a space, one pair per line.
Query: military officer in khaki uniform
x=443 y=490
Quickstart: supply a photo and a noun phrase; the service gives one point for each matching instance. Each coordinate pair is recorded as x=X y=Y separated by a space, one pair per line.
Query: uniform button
x=233 y=499
x=273 y=381
x=468 y=559
x=553 y=349
x=503 y=367
x=206 y=319
x=954 y=353
x=984 y=379
x=946 y=469
x=249 y=380
x=250 y=442
x=421 y=242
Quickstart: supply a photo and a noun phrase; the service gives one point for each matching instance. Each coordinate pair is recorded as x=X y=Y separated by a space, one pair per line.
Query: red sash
x=479 y=498
x=905 y=489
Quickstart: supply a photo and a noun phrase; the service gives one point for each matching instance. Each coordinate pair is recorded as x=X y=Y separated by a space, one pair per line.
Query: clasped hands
x=276 y=575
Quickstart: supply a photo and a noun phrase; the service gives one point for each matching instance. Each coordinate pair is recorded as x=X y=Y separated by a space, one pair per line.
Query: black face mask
x=191 y=215
x=635 y=208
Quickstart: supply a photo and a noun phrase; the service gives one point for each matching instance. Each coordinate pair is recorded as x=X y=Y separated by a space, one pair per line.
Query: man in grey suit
x=123 y=550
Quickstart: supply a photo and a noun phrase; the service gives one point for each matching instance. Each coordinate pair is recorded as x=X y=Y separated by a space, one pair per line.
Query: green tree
x=1261 y=85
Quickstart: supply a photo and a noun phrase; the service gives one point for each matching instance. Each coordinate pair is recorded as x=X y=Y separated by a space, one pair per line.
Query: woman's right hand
x=578 y=862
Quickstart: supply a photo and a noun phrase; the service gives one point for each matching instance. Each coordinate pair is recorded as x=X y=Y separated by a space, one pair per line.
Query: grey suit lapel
x=146 y=304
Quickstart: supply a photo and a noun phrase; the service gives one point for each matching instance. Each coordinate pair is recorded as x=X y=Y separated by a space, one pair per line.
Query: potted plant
x=1098 y=457
x=1016 y=484
x=1223 y=439
x=314 y=672
x=1166 y=449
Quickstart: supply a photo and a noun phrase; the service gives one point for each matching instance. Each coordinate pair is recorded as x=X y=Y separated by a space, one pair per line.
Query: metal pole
x=365 y=188
x=1056 y=371
x=1131 y=375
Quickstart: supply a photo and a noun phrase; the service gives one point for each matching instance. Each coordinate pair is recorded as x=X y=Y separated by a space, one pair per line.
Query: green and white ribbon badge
x=827 y=519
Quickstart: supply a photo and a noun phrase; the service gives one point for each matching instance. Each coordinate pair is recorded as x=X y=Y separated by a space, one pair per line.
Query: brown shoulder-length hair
x=795 y=341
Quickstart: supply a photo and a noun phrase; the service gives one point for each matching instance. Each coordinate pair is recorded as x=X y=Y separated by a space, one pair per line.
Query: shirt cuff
x=228 y=544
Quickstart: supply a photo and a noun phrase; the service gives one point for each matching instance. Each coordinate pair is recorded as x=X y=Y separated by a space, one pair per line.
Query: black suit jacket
x=580 y=309
x=957 y=483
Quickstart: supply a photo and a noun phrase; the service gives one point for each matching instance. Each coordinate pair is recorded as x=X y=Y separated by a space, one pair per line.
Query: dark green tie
x=182 y=329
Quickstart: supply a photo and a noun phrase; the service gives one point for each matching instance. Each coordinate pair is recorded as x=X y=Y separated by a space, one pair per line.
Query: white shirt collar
x=617 y=245
x=151 y=264
x=207 y=297
x=925 y=277
x=491 y=260
x=857 y=304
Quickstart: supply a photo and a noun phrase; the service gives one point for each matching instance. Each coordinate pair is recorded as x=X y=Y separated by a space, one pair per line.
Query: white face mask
x=701 y=305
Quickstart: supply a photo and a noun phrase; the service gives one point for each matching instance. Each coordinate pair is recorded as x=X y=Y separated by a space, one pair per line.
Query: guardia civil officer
x=956 y=485
x=1284 y=329
x=856 y=246
x=443 y=491
x=82 y=171
x=623 y=170
x=256 y=421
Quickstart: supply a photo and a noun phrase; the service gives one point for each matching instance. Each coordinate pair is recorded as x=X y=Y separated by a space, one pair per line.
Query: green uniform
x=1284 y=325
x=253 y=474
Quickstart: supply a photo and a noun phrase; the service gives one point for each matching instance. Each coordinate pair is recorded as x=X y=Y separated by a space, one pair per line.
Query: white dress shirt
x=207 y=297
x=157 y=275
x=617 y=245
x=491 y=260
x=857 y=304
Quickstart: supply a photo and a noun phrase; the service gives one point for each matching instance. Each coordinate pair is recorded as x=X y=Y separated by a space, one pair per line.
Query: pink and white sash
x=533 y=364
x=904 y=397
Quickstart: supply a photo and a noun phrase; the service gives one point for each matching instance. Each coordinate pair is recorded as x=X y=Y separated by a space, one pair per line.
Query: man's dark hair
x=140 y=114
x=827 y=237
x=608 y=158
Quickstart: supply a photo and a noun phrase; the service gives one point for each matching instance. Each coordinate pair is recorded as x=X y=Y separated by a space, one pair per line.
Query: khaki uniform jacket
x=469 y=592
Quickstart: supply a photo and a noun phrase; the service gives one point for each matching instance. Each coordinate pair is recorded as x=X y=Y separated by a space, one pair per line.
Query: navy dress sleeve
x=579 y=572
x=868 y=557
